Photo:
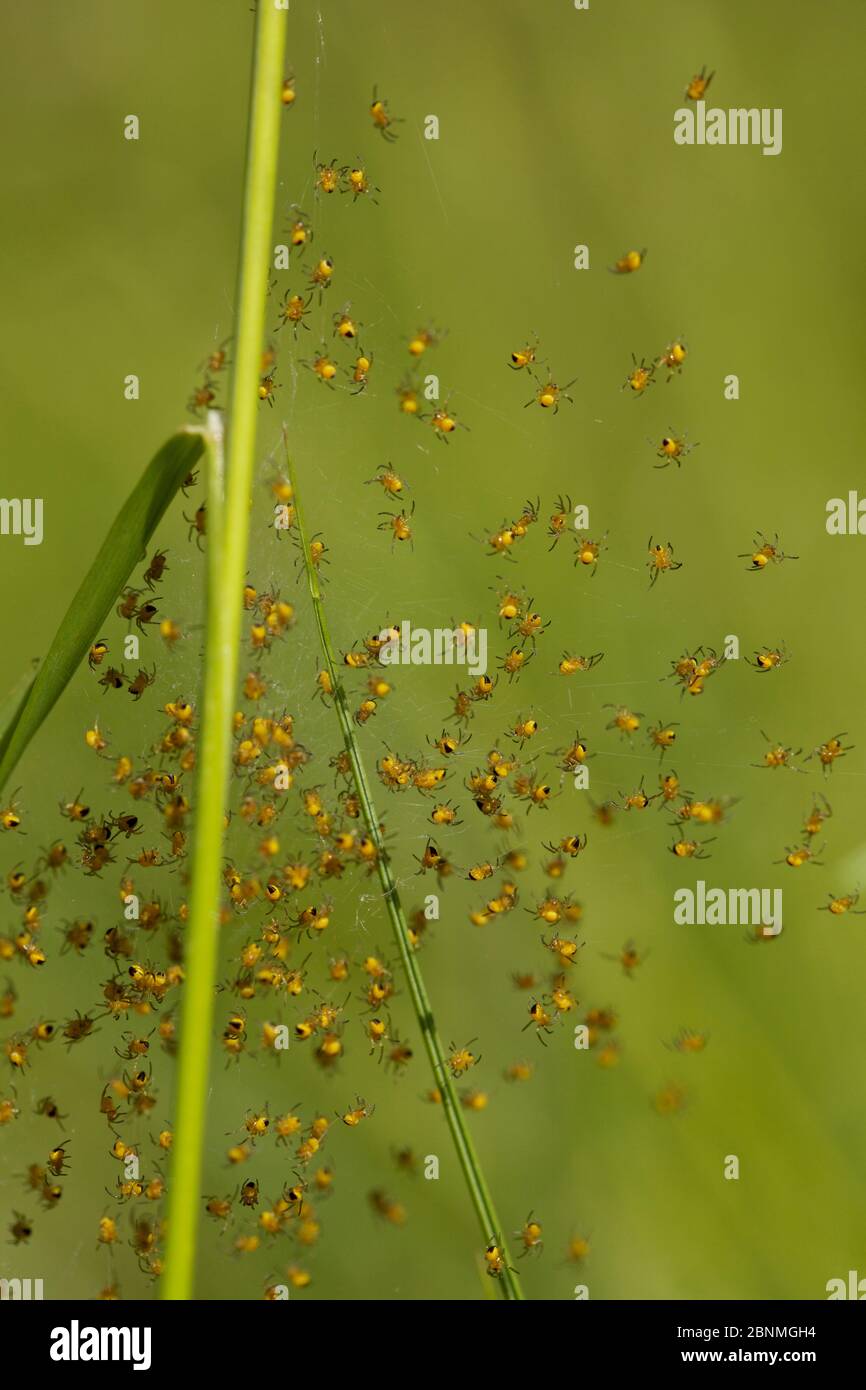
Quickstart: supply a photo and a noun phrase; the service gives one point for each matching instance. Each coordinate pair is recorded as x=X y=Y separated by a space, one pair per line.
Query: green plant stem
x=228 y=525
x=203 y=931
x=491 y=1229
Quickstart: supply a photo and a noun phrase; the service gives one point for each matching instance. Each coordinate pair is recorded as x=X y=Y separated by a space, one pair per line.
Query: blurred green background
x=556 y=130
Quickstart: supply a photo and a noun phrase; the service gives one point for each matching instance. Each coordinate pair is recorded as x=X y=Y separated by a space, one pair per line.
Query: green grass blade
x=491 y=1228
x=120 y=552
x=203 y=934
x=228 y=540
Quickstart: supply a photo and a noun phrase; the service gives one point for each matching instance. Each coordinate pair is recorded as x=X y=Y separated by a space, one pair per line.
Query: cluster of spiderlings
x=144 y=955
x=316 y=275
x=280 y=897
x=495 y=785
